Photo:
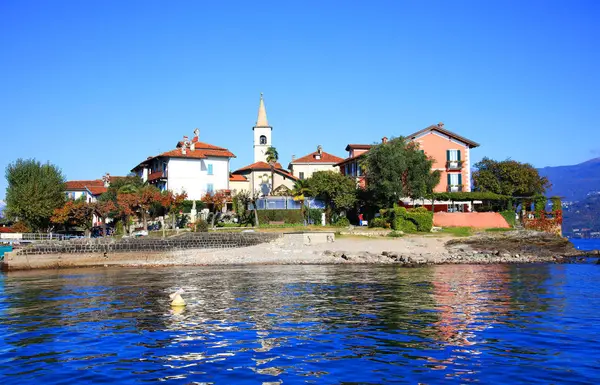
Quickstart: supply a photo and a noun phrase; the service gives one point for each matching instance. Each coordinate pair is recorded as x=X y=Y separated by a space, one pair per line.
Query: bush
x=395 y=234
x=378 y=222
x=186 y=206
x=509 y=215
x=200 y=226
x=287 y=216
x=408 y=221
x=342 y=222
x=314 y=216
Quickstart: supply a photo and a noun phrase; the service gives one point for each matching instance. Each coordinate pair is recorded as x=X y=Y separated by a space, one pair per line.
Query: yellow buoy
x=176 y=299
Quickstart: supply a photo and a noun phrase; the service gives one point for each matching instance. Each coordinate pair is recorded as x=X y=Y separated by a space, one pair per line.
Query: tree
x=148 y=195
x=396 y=169
x=34 y=191
x=336 y=190
x=300 y=192
x=272 y=158
x=246 y=198
x=75 y=213
x=217 y=200
x=508 y=177
x=172 y=203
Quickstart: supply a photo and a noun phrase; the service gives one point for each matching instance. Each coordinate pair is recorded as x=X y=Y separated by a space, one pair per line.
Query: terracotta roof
x=202 y=145
x=358 y=146
x=82 y=184
x=201 y=151
x=441 y=129
x=237 y=178
x=97 y=190
x=325 y=158
x=155 y=175
x=258 y=166
x=350 y=159
x=264 y=166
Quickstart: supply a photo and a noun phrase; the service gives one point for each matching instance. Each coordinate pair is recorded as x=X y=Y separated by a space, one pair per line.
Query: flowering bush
x=550 y=222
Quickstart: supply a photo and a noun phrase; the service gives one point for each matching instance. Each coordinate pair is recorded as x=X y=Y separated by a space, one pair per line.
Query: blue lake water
x=534 y=324
x=586 y=244
x=4 y=249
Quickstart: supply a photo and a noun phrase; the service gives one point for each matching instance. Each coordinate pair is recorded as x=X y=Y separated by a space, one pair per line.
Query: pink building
x=451 y=154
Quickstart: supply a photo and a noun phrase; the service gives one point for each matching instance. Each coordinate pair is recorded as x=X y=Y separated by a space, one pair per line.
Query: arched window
x=263 y=139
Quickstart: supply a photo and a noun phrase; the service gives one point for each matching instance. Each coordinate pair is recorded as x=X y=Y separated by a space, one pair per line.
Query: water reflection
x=275 y=323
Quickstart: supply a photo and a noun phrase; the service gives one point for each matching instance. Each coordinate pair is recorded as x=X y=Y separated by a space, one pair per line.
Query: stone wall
x=124 y=245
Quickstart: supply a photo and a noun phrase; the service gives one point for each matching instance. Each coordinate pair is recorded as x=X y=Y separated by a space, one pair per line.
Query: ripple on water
x=314 y=324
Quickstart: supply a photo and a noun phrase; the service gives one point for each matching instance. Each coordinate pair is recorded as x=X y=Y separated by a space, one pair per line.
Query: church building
x=260 y=176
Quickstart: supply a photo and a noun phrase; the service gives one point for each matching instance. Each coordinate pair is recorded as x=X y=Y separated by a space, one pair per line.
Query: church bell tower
x=262 y=133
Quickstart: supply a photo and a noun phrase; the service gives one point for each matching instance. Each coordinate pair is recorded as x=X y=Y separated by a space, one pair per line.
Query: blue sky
x=97 y=86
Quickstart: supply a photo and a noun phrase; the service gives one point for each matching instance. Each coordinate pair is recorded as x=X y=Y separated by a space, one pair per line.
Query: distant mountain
x=2 y=206
x=573 y=183
x=582 y=219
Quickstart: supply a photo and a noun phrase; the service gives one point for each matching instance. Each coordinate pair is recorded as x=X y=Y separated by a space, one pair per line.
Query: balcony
x=157 y=175
x=454 y=165
x=455 y=188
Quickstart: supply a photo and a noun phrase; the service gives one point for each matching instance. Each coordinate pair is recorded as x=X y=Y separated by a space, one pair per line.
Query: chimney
x=441 y=125
x=319 y=152
x=293 y=158
x=106 y=180
x=193 y=146
x=384 y=139
x=196 y=135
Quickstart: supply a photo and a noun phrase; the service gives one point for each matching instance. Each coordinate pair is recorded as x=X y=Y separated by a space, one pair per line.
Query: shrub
x=342 y=222
x=378 y=222
x=395 y=234
x=200 y=226
x=509 y=215
x=314 y=216
x=419 y=219
x=287 y=216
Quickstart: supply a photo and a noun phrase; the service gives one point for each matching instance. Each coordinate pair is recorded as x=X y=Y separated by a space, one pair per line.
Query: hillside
x=582 y=219
x=573 y=183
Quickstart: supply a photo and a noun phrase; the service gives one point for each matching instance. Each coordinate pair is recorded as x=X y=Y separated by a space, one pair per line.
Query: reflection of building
x=469 y=298
x=193 y=167
x=260 y=176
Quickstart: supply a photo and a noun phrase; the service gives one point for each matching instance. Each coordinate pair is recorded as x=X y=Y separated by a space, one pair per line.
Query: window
x=210 y=169
x=210 y=188
x=453 y=155
x=263 y=139
x=301 y=175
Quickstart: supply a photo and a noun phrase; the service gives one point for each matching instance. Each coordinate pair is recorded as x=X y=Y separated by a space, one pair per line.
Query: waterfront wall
x=126 y=251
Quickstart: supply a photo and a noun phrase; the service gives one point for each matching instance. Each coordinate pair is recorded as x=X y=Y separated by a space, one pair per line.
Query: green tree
x=272 y=158
x=508 y=177
x=396 y=169
x=300 y=192
x=336 y=190
x=34 y=191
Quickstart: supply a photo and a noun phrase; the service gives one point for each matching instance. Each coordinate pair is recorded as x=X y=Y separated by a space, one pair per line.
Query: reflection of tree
x=528 y=290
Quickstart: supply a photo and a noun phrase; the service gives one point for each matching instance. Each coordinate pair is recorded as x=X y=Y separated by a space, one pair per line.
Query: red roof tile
x=259 y=166
x=237 y=178
x=201 y=151
x=358 y=146
x=81 y=184
x=97 y=190
x=312 y=158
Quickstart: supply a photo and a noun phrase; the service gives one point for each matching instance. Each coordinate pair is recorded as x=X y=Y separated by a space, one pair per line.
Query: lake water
x=303 y=324
x=4 y=249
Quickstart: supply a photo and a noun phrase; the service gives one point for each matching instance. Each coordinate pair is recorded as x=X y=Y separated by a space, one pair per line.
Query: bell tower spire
x=262 y=133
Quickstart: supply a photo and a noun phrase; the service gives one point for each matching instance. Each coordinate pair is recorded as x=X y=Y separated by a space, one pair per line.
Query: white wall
x=191 y=176
x=309 y=168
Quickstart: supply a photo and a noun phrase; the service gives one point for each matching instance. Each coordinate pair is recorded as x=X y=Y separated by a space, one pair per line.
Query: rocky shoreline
x=514 y=247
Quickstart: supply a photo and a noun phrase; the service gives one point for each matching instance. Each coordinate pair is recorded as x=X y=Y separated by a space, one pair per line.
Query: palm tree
x=300 y=191
x=272 y=158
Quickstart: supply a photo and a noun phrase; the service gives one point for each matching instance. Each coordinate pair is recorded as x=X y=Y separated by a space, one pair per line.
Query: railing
x=455 y=188
x=32 y=237
x=454 y=165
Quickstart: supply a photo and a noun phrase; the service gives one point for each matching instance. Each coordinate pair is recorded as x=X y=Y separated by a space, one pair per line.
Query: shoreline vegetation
x=453 y=247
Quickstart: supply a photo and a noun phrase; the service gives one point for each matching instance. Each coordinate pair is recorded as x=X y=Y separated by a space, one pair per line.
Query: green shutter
x=449 y=180
x=458 y=156
x=460 y=179
x=448 y=155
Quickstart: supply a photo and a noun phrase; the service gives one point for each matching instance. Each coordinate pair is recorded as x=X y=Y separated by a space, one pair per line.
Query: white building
x=261 y=176
x=304 y=167
x=193 y=167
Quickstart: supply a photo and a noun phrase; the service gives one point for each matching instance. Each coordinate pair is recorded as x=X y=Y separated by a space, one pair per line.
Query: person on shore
x=360 y=219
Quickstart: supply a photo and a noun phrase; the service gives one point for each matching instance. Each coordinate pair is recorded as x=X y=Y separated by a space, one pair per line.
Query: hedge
x=470 y=196
x=287 y=216
x=408 y=221
x=509 y=215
